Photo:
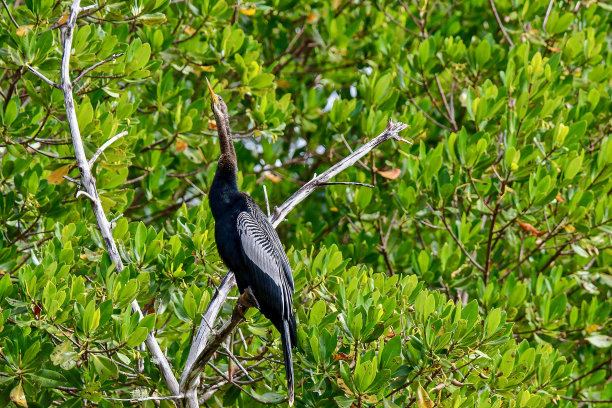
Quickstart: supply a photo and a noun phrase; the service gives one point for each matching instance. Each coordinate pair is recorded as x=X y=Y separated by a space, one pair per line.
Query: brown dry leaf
x=57 y=175
x=390 y=174
x=530 y=228
x=18 y=396
x=559 y=198
x=423 y=400
x=22 y=30
x=283 y=83
x=273 y=178
x=344 y=387
x=63 y=19
x=180 y=146
x=370 y=398
x=247 y=12
x=212 y=125
x=341 y=356
x=570 y=228
x=592 y=328
x=189 y=30
x=312 y=17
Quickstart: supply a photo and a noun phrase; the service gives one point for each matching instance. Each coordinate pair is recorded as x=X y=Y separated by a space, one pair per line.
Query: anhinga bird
x=248 y=243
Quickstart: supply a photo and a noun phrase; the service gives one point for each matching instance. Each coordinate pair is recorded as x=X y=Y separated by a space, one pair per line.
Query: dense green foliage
x=476 y=273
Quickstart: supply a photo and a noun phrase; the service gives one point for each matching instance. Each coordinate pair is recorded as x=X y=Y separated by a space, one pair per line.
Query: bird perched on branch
x=248 y=243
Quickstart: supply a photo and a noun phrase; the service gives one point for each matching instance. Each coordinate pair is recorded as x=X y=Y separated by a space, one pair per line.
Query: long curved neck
x=225 y=183
x=225 y=139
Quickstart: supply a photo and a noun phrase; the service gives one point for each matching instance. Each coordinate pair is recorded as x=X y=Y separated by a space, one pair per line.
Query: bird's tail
x=286 y=339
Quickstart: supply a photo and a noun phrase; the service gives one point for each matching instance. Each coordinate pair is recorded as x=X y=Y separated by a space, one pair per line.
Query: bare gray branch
x=96 y=65
x=104 y=146
x=41 y=76
x=88 y=183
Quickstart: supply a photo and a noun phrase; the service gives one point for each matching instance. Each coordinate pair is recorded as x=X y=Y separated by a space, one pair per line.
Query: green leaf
x=317 y=312
x=148 y=322
x=424 y=51
x=153 y=20
x=391 y=351
x=579 y=251
x=10 y=113
x=85 y=114
x=430 y=305
x=137 y=337
x=189 y=304
x=141 y=57
x=5 y=285
x=49 y=378
x=483 y=52
x=261 y=81
x=470 y=313
x=382 y=87
x=600 y=340
x=271 y=398
x=355 y=326
x=573 y=167
x=140 y=239
x=492 y=321
x=105 y=368
x=91 y=317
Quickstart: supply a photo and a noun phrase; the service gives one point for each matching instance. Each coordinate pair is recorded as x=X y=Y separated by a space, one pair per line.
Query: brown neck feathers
x=225 y=138
x=228 y=154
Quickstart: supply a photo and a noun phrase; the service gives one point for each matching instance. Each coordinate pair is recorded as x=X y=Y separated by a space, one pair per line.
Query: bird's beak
x=213 y=96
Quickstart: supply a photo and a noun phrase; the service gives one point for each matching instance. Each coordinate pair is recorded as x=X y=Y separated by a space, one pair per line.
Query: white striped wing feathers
x=269 y=256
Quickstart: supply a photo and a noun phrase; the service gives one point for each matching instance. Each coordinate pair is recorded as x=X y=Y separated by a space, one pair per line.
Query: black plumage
x=249 y=245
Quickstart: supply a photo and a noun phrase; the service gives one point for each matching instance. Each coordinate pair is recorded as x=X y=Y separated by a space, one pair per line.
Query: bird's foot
x=247 y=299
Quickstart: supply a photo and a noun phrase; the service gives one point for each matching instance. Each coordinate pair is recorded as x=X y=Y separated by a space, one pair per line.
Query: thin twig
x=411 y=99
x=104 y=146
x=9 y=13
x=397 y=23
x=548 y=10
x=391 y=132
x=591 y=401
x=222 y=374
x=96 y=65
x=594 y=369
x=351 y=151
x=235 y=360
x=198 y=189
x=171 y=397
x=452 y=234
x=41 y=76
x=86 y=194
x=499 y=23
x=451 y=117
x=90 y=7
x=346 y=183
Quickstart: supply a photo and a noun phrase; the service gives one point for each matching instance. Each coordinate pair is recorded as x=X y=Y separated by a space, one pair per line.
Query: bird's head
x=219 y=107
